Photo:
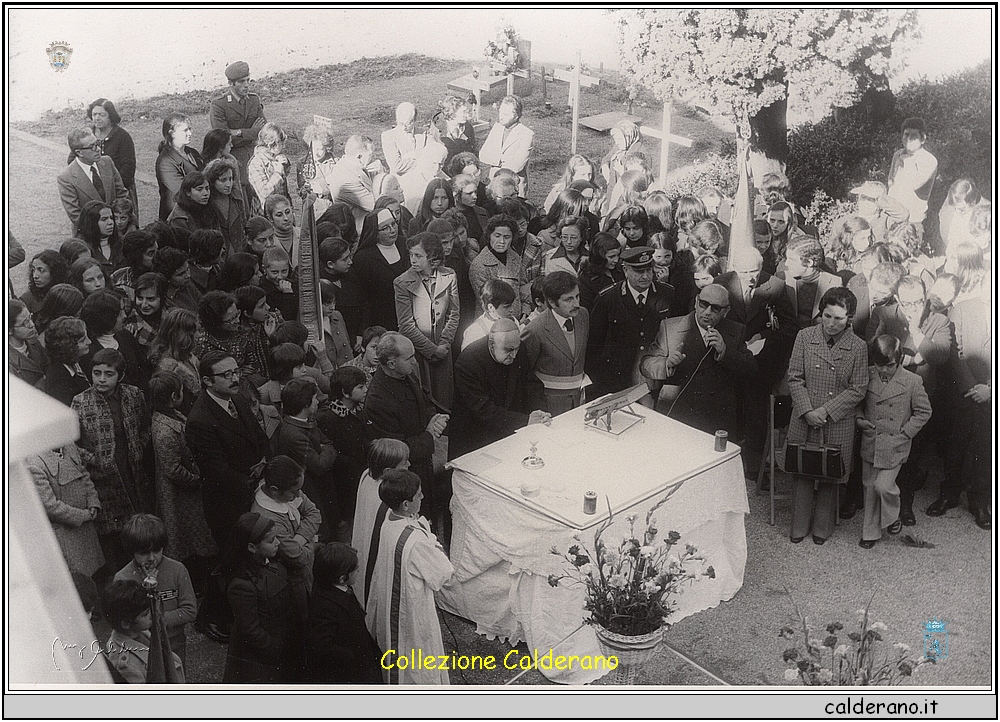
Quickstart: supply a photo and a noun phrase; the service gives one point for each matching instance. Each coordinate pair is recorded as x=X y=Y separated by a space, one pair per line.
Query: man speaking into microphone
x=703 y=360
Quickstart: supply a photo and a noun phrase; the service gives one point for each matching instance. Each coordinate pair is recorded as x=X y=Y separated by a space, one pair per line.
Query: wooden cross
x=666 y=138
x=576 y=80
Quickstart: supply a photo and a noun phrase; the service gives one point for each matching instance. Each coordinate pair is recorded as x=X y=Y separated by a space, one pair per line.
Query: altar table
x=501 y=541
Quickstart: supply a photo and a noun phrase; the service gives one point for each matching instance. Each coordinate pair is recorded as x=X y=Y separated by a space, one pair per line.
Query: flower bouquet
x=502 y=54
x=862 y=660
x=631 y=587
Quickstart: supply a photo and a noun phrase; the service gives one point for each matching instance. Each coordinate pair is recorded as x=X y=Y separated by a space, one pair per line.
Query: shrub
x=714 y=170
x=841 y=151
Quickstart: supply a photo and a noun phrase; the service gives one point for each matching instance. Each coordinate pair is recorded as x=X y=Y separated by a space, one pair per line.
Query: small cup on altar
x=721 y=438
x=590 y=502
x=530 y=488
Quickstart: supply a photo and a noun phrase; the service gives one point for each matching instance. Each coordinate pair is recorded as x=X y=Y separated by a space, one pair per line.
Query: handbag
x=821 y=461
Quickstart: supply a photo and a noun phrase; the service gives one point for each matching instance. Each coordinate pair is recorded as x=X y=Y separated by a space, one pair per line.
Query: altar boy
x=411 y=566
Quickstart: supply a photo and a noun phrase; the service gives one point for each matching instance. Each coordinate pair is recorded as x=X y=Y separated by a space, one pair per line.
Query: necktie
x=642 y=299
x=232 y=410
x=97 y=180
x=830 y=342
x=747 y=294
x=569 y=325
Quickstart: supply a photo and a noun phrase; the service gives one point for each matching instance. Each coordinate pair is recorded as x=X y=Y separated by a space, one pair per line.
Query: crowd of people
x=287 y=493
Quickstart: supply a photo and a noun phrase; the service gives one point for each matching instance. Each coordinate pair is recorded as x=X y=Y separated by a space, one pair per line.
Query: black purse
x=820 y=461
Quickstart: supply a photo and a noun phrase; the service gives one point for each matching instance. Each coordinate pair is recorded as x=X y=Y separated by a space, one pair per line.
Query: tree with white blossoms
x=742 y=62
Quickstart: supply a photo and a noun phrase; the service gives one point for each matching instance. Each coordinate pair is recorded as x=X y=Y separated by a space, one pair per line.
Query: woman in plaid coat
x=827 y=378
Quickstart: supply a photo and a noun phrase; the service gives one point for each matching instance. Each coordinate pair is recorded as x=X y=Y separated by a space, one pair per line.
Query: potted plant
x=631 y=588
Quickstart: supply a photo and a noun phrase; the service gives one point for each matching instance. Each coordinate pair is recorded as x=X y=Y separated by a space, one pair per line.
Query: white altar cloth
x=501 y=543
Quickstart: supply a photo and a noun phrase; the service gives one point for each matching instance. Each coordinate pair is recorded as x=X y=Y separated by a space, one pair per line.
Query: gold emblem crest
x=59 y=54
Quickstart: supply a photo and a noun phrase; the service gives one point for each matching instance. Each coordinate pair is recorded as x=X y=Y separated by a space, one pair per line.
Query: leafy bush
x=840 y=152
x=714 y=170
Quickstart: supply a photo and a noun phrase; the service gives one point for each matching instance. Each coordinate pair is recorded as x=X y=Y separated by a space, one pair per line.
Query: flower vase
x=632 y=651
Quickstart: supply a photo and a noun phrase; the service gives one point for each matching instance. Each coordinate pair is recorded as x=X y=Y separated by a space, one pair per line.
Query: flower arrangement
x=862 y=661
x=630 y=587
x=502 y=54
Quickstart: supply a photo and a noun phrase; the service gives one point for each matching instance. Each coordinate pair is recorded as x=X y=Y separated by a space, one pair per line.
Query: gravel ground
x=738 y=640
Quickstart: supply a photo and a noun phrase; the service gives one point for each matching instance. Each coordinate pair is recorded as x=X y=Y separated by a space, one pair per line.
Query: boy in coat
x=896 y=408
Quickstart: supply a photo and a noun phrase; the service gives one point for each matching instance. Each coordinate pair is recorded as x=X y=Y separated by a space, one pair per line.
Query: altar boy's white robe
x=401 y=613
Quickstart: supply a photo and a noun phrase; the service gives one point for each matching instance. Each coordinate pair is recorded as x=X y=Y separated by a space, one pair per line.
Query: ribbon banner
x=310 y=302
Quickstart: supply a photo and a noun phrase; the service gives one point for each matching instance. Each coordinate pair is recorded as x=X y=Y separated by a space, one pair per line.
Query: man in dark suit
x=555 y=345
x=490 y=399
x=758 y=301
x=227 y=442
x=89 y=177
x=705 y=355
x=242 y=113
x=624 y=323
x=397 y=408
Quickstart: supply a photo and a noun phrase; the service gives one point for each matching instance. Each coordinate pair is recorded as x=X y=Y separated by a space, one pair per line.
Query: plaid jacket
x=97 y=449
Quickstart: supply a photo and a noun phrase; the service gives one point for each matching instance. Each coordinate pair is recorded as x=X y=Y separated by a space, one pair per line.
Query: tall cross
x=666 y=138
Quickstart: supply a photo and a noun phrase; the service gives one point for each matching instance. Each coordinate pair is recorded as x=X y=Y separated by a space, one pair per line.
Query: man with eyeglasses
x=241 y=112
x=704 y=357
x=926 y=339
x=227 y=441
x=89 y=177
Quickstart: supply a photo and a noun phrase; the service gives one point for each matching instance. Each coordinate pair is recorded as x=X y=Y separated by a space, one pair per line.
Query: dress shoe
x=983 y=519
x=895 y=527
x=819 y=541
x=940 y=506
x=906 y=517
x=796 y=539
x=213 y=632
x=847 y=511
x=867 y=543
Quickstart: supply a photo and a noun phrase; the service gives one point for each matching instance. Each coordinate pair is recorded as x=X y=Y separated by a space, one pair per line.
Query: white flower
x=813 y=642
x=611 y=556
x=840 y=651
x=587 y=570
x=646 y=551
x=879 y=627
x=825 y=676
x=903 y=648
x=791 y=675
x=617 y=581
x=650 y=586
x=861 y=613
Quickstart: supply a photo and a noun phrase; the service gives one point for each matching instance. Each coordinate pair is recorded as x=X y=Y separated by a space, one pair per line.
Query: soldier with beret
x=242 y=113
x=624 y=323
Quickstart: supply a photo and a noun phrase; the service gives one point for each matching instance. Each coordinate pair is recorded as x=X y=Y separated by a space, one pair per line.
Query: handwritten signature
x=94 y=649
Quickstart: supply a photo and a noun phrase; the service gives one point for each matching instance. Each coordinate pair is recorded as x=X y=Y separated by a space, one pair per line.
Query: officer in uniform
x=242 y=113
x=624 y=323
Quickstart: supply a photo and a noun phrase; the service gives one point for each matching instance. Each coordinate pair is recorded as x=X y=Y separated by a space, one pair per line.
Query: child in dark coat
x=339 y=648
x=266 y=642
x=341 y=423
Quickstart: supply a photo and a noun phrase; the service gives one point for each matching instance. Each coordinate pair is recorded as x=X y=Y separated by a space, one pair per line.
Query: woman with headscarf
x=626 y=137
x=268 y=169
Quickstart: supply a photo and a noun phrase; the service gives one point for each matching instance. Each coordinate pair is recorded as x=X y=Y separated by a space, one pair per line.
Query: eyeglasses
x=230 y=374
x=705 y=305
x=98 y=146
